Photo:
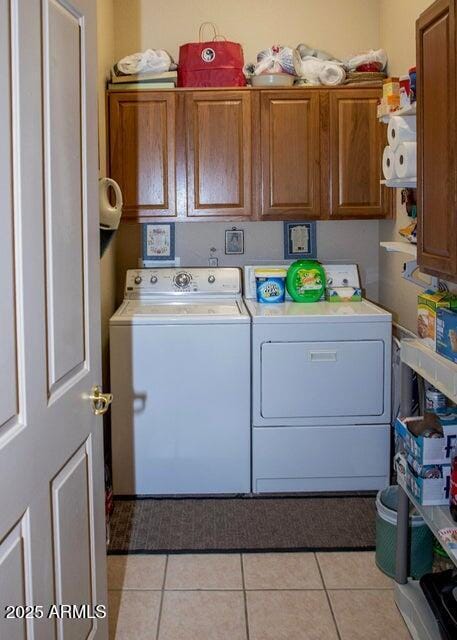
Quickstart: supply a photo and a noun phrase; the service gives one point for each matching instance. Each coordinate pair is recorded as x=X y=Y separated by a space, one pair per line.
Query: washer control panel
x=196 y=281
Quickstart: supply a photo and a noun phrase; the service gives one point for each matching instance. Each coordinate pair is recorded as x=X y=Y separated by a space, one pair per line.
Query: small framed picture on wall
x=234 y=242
x=299 y=240
x=158 y=241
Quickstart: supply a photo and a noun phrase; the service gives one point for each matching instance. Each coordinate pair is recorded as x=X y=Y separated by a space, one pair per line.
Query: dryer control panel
x=202 y=282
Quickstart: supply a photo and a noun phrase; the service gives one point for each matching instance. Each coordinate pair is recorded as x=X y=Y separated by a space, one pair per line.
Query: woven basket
x=355 y=77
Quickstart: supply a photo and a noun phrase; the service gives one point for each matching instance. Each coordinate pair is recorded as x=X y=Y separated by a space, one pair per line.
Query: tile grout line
x=244 y=597
x=135 y=589
x=257 y=590
x=260 y=589
x=328 y=597
x=162 y=594
x=321 y=589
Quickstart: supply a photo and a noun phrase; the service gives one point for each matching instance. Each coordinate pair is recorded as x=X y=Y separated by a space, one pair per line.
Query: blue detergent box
x=446 y=334
x=271 y=285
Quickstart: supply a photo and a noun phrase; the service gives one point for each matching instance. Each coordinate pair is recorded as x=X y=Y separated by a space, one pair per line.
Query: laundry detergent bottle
x=306 y=280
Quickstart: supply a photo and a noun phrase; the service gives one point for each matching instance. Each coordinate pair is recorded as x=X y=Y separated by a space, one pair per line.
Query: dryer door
x=322 y=379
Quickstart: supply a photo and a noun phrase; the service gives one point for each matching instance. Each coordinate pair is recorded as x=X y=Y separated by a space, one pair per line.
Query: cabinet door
x=290 y=155
x=218 y=129
x=355 y=143
x=436 y=137
x=142 y=151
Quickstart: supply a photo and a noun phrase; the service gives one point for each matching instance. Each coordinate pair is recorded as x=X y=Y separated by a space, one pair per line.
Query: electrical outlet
x=213 y=262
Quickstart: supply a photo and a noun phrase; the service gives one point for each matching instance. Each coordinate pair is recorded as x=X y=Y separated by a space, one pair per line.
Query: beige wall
x=398 y=31
x=397 y=36
x=337 y=26
x=105 y=33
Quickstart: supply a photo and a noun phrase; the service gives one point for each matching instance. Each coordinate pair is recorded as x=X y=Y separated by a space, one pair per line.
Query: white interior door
x=52 y=542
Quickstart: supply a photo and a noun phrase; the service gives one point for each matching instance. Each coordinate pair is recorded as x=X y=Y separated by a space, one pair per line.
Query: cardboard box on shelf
x=446 y=334
x=427 y=491
x=428 y=304
x=428 y=450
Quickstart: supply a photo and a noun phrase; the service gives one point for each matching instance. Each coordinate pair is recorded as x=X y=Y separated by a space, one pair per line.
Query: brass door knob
x=100 y=401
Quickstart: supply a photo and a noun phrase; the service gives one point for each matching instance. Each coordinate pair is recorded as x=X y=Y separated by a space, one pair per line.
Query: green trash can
x=421 y=538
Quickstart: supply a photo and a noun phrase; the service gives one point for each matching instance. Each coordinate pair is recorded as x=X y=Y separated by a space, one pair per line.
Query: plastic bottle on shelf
x=435 y=401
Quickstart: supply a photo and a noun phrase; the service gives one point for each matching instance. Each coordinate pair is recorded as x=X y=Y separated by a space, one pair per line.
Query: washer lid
x=297 y=312
x=148 y=312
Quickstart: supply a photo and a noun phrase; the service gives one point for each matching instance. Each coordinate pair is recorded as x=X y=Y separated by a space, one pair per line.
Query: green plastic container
x=421 y=538
x=306 y=281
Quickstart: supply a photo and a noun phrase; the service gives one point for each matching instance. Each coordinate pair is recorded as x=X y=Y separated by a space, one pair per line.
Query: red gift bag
x=214 y=63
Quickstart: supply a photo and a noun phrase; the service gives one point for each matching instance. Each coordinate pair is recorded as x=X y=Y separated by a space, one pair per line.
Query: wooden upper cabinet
x=143 y=151
x=230 y=154
x=436 y=138
x=289 y=154
x=218 y=130
x=354 y=149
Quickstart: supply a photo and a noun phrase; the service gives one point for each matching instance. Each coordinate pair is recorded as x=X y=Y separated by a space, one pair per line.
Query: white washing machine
x=180 y=375
x=320 y=395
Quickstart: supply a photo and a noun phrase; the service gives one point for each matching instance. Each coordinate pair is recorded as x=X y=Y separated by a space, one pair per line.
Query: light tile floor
x=267 y=596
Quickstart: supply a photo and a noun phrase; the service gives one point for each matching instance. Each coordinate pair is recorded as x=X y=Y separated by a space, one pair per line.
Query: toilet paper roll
x=401 y=129
x=406 y=160
x=388 y=163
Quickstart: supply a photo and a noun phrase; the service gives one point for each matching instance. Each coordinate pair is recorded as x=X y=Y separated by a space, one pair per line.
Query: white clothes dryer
x=320 y=394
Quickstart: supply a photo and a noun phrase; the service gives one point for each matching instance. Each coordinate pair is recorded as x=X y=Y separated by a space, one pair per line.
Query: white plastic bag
x=307 y=68
x=316 y=72
x=332 y=74
x=305 y=51
x=149 y=61
x=366 y=57
x=276 y=59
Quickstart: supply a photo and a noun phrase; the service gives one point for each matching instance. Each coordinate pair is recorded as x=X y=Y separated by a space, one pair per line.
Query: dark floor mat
x=205 y=525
